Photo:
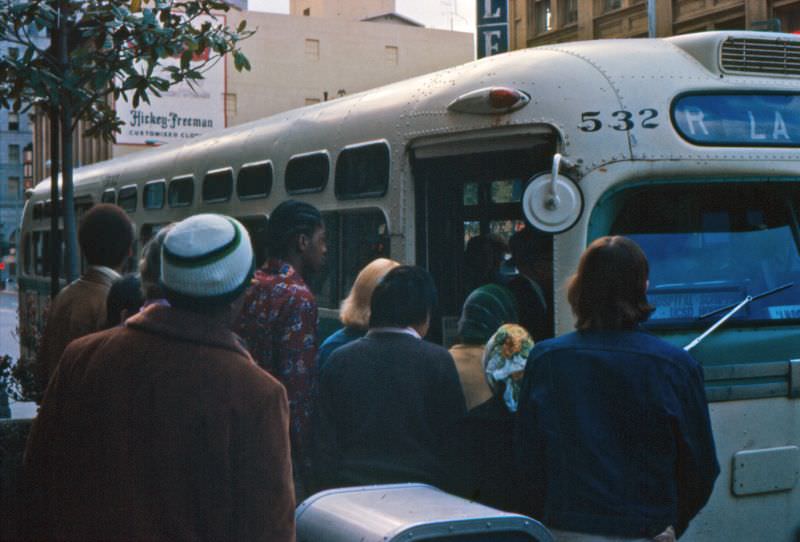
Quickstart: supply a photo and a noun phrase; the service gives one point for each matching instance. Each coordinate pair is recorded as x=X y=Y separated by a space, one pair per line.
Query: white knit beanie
x=206 y=260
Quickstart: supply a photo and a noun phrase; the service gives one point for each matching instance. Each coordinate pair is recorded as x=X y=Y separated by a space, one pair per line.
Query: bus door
x=461 y=196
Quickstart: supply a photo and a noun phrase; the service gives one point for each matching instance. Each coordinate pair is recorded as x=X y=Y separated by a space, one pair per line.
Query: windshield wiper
x=732 y=309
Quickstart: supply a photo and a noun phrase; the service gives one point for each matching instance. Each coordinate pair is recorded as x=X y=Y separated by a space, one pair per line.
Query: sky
x=432 y=13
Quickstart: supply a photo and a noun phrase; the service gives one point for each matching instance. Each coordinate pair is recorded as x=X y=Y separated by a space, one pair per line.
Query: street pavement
x=9 y=342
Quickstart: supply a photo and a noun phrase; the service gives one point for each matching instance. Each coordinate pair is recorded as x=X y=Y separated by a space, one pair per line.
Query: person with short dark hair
x=164 y=428
x=105 y=235
x=124 y=300
x=532 y=255
x=279 y=318
x=390 y=401
x=483 y=258
x=613 y=433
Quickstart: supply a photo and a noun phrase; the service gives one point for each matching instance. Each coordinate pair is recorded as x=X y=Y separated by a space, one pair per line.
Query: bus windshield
x=710 y=245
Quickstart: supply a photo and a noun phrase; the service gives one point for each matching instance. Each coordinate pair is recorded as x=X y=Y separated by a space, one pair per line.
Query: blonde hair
x=355 y=311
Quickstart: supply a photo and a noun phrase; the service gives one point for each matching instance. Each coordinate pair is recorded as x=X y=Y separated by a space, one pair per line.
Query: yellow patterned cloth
x=504 y=361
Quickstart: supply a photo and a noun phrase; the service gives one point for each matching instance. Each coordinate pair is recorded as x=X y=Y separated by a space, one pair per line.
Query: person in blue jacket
x=613 y=436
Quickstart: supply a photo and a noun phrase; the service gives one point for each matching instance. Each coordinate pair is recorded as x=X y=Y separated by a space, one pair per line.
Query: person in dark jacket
x=164 y=428
x=124 y=300
x=532 y=255
x=389 y=401
x=613 y=433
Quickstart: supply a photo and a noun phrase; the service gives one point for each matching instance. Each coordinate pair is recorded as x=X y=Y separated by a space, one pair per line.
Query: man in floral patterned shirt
x=279 y=318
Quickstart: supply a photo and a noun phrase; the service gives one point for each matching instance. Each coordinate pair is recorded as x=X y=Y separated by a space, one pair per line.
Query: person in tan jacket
x=485 y=309
x=105 y=236
x=164 y=428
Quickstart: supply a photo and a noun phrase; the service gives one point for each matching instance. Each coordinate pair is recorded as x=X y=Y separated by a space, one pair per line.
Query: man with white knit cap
x=165 y=429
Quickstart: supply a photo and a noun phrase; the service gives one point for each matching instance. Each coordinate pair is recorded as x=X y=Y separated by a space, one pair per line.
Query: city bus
x=688 y=145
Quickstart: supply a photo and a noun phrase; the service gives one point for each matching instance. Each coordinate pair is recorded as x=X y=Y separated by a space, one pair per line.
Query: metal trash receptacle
x=408 y=512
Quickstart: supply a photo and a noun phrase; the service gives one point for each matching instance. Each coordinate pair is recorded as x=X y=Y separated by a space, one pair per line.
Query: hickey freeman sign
x=179 y=114
x=492 y=27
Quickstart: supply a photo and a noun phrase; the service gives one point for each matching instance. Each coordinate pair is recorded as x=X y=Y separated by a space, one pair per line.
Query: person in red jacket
x=279 y=318
x=164 y=428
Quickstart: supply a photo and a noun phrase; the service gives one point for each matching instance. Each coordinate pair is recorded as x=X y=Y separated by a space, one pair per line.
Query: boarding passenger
x=354 y=311
x=483 y=259
x=532 y=255
x=279 y=319
x=389 y=402
x=490 y=425
x=124 y=300
x=164 y=428
x=105 y=235
x=614 y=438
x=485 y=309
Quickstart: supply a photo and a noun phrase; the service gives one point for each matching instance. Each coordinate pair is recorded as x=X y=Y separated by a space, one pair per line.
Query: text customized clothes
x=613 y=435
x=279 y=325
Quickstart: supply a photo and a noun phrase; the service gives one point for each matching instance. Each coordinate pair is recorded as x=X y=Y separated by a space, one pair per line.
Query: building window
x=569 y=11
x=231 y=104
x=306 y=12
x=13 y=154
x=392 y=55
x=13 y=187
x=543 y=16
x=611 y=5
x=312 y=49
x=13 y=121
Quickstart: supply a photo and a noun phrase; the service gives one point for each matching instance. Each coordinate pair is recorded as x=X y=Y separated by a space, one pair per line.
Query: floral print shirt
x=279 y=325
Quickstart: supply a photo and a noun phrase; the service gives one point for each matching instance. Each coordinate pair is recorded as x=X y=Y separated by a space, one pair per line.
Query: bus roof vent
x=761 y=56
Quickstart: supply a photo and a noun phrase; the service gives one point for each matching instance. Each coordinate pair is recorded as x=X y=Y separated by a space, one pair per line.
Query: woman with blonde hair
x=354 y=312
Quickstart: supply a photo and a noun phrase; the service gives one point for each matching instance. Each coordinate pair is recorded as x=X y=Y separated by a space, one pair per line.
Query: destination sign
x=738 y=120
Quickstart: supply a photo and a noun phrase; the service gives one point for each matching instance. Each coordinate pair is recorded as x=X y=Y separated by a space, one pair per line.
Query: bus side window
x=325 y=285
x=362 y=171
x=354 y=239
x=256 y=226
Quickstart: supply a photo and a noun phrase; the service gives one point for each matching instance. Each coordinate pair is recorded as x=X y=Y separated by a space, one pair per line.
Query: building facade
x=338 y=48
x=541 y=22
x=16 y=163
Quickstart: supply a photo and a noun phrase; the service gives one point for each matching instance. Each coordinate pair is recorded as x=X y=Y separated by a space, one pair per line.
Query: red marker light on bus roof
x=504 y=98
x=490 y=101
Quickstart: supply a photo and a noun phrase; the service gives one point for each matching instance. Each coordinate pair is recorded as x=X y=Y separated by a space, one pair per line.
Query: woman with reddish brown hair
x=613 y=436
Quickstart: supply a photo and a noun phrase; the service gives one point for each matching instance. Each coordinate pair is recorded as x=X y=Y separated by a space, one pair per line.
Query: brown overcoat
x=164 y=429
x=77 y=310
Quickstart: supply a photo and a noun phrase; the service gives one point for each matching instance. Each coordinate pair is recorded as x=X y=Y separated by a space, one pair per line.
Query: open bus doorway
x=460 y=197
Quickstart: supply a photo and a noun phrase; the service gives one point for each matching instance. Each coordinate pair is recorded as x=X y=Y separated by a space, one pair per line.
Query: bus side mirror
x=552 y=202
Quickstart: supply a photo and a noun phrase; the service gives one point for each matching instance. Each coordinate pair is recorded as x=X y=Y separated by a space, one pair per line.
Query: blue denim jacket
x=613 y=435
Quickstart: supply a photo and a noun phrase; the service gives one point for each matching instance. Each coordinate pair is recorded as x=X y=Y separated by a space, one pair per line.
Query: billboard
x=492 y=27
x=181 y=113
